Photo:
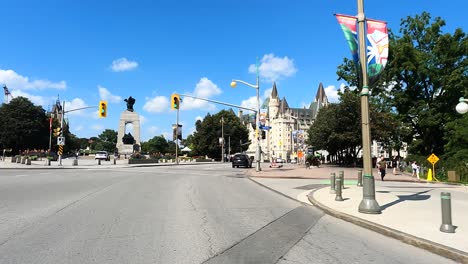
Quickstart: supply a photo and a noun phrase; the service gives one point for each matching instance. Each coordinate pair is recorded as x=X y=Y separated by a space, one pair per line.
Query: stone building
x=289 y=125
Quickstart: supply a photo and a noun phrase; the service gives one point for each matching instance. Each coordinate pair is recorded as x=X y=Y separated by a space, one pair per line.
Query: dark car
x=241 y=160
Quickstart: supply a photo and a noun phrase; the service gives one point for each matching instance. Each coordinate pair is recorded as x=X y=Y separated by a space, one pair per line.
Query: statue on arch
x=130 y=102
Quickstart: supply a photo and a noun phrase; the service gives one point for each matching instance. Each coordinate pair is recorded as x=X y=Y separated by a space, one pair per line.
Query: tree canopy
x=427 y=73
x=205 y=140
x=24 y=125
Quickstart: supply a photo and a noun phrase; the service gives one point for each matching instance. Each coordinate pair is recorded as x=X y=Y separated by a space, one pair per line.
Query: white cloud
x=198 y=118
x=105 y=95
x=78 y=128
x=157 y=104
x=35 y=99
x=142 y=120
x=14 y=81
x=274 y=68
x=250 y=103
x=332 y=94
x=75 y=104
x=167 y=135
x=205 y=88
x=123 y=64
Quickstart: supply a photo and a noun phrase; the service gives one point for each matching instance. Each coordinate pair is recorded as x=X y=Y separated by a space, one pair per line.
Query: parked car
x=241 y=160
x=102 y=155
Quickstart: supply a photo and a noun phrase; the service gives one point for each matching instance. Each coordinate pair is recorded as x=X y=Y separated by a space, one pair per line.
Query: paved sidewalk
x=411 y=209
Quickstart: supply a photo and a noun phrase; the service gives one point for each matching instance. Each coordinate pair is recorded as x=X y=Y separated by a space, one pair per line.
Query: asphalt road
x=184 y=214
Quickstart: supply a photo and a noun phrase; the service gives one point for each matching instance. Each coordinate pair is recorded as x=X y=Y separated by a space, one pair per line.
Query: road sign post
x=433 y=159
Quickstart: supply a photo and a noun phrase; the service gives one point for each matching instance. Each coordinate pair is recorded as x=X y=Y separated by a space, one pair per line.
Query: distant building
x=289 y=125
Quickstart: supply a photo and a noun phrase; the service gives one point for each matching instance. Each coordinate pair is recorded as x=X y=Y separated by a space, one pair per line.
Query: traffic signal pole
x=61 y=131
x=177 y=137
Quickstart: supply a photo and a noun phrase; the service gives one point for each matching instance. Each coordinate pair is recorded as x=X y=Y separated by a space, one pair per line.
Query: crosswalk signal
x=57 y=132
x=102 y=109
x=175 y=101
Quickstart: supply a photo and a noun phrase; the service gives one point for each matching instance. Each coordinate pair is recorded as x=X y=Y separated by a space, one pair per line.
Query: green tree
x=205 y=140
x=337 y=127
x=24 y=125
x=155 y=145
x=107 y=140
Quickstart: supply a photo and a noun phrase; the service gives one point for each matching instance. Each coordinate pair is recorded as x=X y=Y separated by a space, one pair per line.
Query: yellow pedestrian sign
x=433 y=159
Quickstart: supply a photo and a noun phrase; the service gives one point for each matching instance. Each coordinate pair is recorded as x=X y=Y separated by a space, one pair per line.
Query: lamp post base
x=368 y=204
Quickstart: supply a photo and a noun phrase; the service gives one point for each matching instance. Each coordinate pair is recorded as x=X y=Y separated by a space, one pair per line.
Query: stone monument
x=124 y=139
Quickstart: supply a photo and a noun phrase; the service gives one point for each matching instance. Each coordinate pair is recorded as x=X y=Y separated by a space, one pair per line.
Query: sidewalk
x=411 y=209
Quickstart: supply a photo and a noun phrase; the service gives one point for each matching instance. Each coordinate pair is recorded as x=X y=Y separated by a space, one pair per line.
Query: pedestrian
x=382 y=168
x=414 y=167
x=417 y=172
x=377 y=163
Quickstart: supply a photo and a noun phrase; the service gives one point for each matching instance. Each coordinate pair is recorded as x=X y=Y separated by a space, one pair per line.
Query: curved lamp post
x=257 y=121
x=462 y=106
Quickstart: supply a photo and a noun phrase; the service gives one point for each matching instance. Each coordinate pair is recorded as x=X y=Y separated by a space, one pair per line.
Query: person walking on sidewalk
x=382 y=168
x=415 y=168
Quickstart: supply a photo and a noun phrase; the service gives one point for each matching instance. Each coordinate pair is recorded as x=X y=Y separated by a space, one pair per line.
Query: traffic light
x=57 y=132
x=102 y=109
x=175 y=101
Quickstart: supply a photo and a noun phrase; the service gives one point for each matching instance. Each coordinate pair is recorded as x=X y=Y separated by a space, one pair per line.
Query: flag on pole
x=377 y=49
x=348 y=25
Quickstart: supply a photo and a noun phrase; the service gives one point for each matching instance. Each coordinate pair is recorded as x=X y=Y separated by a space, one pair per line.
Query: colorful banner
x=377 y=49
x=348 y=25
x=377 y=45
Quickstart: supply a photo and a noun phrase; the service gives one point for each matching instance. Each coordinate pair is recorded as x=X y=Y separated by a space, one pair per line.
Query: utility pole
x=222 y=139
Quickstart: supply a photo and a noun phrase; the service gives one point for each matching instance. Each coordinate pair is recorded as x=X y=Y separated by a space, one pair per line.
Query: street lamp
x=462 y=106
x=257 y=121
x=368 y=203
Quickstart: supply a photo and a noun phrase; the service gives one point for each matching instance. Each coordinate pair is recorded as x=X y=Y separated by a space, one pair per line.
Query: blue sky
x=89 y=50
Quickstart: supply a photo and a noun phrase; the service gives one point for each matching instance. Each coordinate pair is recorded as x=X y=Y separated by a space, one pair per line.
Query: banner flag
x=348 y=25
x=377 y=49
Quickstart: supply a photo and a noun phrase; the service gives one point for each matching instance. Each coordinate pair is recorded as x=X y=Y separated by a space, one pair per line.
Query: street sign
x=61 y=141
x=433 y=159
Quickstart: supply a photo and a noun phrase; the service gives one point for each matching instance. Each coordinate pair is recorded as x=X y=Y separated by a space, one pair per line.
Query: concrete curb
x=433 y=247
x=104 y=166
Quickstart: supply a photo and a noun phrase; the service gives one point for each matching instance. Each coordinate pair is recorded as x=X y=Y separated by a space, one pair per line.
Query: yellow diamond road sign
x=433 y=159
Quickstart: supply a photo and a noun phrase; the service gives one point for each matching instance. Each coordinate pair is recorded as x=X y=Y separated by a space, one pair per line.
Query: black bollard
x=332 y=183
x=446 y=225
x=359 y=178
x=114 y=162
x=338 y=189
x=99 y=161
x=75 y=162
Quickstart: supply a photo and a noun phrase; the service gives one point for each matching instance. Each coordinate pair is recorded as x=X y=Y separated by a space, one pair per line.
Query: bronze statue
x=128 y=139
x=130 y=102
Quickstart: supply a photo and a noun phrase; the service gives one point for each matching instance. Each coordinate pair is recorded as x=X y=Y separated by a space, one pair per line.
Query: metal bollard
x=99 y=161
x=75 y=162
x=359 y=178
x=28 y=161
x=341 y=175
x=332 y=183
x=446 y=226
x=338 y=196
x=114 y=162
